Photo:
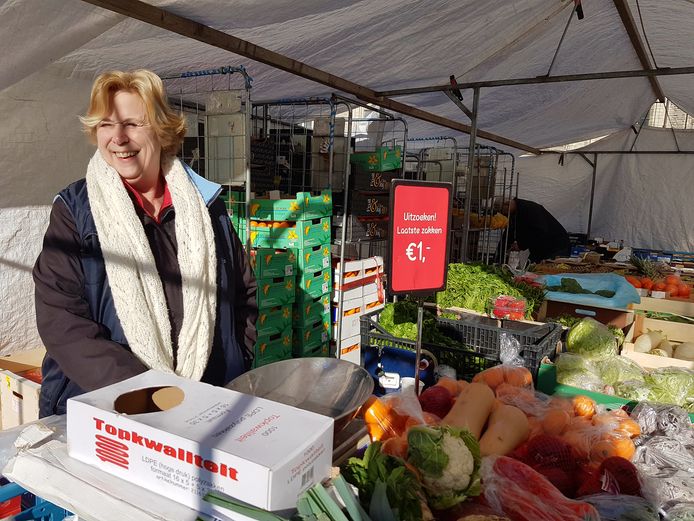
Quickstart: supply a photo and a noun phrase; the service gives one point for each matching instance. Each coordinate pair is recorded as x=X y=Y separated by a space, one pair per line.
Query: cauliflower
x=448 y=460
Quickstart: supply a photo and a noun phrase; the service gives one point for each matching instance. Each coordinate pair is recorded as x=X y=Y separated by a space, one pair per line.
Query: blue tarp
x=624 y=293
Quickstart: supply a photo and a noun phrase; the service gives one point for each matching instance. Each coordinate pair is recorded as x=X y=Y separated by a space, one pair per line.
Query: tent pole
x=470 y=166
x=638 y=73
x=592 y=195
x=561 y=40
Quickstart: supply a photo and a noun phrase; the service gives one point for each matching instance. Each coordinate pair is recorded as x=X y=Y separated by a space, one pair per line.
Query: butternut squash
x=508 y=428
x=471 y=409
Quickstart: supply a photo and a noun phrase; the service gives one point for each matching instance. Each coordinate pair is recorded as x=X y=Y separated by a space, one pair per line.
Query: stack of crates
x=274 y=271
x=300 y=226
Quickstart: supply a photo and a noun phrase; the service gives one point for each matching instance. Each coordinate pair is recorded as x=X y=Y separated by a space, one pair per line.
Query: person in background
x=140 y=267
x=532 y=227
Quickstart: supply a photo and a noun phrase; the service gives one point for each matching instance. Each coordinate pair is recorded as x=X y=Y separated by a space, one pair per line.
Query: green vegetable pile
x=591 y=339
x=385 y=484
x=472 y=286
x=400 y=320
x=569 y=285
x=447 y=460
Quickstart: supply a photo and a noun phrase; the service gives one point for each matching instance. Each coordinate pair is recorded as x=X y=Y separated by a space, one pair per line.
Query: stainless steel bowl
x=327 y=386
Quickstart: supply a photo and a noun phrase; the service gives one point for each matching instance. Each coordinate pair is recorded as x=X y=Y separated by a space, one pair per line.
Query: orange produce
x=450 y=384
x=683 y=291
x=634 y=281
x=382 y=421
x=611 y=446
x=583 y=406
x=630 y=427
x=659 y=286
x=646 y=283
x=500 y=374
x=395 y=446
x=673 y=280
x=555 y=421
x=672 y=290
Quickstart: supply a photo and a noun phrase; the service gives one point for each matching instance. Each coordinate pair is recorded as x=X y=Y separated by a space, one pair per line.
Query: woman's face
x=128 y=143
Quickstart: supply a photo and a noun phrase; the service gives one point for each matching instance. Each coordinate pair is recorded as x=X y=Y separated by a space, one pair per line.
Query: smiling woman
x=140 y=267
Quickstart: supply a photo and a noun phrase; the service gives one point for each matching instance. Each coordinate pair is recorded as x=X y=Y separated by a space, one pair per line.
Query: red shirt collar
x=138 y=199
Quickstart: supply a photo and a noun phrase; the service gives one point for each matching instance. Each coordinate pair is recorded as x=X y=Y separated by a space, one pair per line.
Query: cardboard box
x=302 y=206
x=351 y=311
x=613 y=317
x=271 y=263
x=273 y=320
x=308 y=310
x=373 y=302
x=314 y=284
x=299 y=234
x=350 y=349
x=380 y=160
x=357 y=270
x=313 y=258
x=313 y=340
x=275 y=292
x=19 y=388
x=181 y=438
x=273 y=347
x=675 y=333
x=321 y=126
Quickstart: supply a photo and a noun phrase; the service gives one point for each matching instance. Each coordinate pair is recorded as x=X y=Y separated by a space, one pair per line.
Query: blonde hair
x=169 y=126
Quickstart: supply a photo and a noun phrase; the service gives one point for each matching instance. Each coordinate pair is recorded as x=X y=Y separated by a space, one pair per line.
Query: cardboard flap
x=149 y=399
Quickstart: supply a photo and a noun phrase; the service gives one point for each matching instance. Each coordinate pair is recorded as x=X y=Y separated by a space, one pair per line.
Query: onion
x=685 y=351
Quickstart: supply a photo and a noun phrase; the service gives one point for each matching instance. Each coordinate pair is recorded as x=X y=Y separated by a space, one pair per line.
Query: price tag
x=421 y=213
x=288 y=270
x=324 y=288
x=324 y=336
x=326 y=262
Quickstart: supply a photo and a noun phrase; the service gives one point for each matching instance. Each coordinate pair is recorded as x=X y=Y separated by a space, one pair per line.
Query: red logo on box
x=420 y=217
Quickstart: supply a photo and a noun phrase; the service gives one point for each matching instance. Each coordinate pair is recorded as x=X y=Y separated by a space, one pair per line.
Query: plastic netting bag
x=524 y=494
x=620 y=507
x=578 y=371
x=512 y=369
x=668 y=420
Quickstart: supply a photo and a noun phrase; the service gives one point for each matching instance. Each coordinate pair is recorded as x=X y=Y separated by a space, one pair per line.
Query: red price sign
x=420 y=216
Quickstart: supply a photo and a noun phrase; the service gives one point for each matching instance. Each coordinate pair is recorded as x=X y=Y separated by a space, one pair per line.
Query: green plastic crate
x=307 y=309
x=547 y=383
x=313 y=258
x=271 y=263
x=273 y=348
x=302 y=206
x=300 y=234
x=380 y=160
x=276 y=292
x=274 y=320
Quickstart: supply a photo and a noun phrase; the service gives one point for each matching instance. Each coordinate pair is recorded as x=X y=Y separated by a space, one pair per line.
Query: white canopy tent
x=53 y=49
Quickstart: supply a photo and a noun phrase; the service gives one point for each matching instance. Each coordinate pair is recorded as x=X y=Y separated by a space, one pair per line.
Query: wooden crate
x=677 y=306
x=674 y=331
x=620 y=318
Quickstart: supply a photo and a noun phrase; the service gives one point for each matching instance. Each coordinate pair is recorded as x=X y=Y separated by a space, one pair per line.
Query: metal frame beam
x=171 y=22
x=663 y=71
x=637 y=44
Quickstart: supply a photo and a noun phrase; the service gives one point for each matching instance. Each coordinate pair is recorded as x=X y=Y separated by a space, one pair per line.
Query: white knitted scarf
x=136 y=285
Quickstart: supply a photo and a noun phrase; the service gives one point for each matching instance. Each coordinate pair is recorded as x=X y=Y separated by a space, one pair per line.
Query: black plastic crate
x=372 y=204
x=480 y=341
x=372 y=181
x=362 y=227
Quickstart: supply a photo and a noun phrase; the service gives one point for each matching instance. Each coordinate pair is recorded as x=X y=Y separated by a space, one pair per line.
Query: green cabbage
x=671 y=385
x=632 y=390
x=578 y=371
x=616 y=369
x=591 y=339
